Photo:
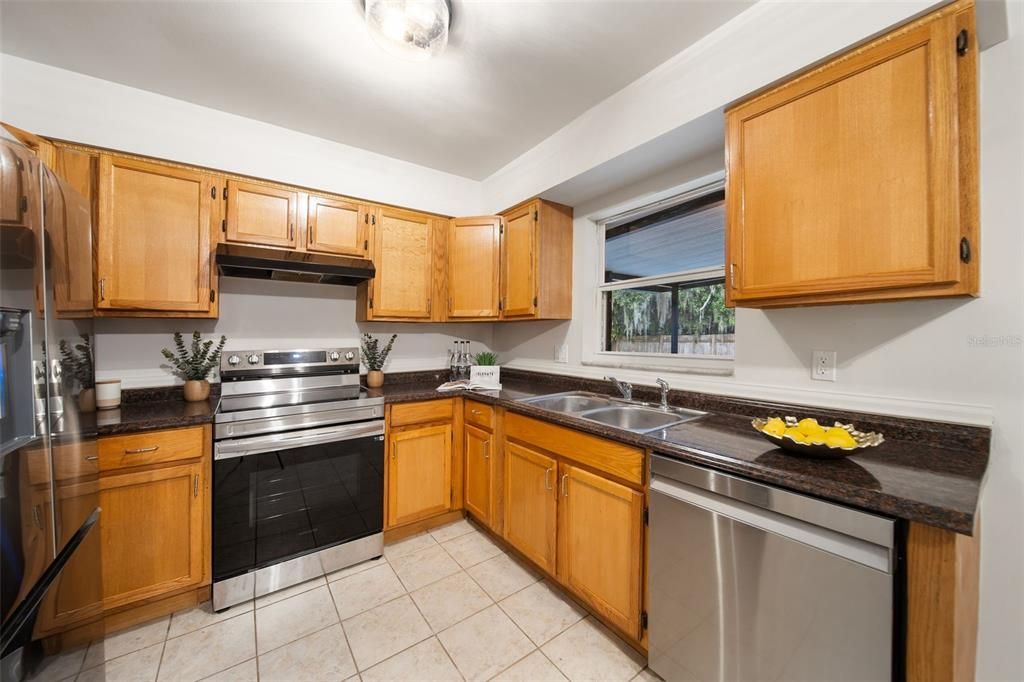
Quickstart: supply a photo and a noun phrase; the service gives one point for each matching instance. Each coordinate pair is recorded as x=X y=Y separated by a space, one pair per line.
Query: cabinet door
x=530 y=504
x=600 y=532
x=153 y=236
x=261 y=214
x=474 y=257
x=419 y=473
x=77 y=593
x=403 y=258
x=479 y=478
x=519 y=262
x=152 y=532
x=13 y=192
x=846 y=179
x=336 y=226
x=70 y=228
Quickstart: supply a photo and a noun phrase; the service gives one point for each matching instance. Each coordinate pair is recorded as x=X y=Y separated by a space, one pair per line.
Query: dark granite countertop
x=155 y=408
x=928 y=472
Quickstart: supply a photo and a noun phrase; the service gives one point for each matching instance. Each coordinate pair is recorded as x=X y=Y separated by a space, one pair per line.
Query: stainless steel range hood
x=259 y=262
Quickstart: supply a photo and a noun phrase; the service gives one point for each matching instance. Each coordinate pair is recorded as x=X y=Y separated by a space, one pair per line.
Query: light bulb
x=411 y=29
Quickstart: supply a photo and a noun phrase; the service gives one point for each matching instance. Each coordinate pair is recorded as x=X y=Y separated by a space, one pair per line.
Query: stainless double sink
x=629 y=415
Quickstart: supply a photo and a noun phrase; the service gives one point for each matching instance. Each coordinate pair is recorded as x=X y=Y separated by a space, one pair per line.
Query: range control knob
x=334 y=356
x=254 y=359
x=234 y=360
x=350 y=356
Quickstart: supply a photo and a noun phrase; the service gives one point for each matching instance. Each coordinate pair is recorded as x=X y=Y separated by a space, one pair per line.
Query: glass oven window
x=278 y=505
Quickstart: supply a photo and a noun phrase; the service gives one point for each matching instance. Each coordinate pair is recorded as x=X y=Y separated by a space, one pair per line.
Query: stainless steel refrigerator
x=50 y=576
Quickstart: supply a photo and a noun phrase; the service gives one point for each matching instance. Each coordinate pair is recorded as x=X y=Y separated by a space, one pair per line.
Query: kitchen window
x=662 y=294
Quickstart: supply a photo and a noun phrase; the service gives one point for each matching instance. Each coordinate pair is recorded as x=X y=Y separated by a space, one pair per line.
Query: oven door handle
x=242 y=447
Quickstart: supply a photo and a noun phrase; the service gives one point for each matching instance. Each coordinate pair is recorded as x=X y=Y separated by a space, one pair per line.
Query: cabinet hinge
x=213 y=192
x=213 y=295
x=643 y=620
x=224 y=192
x=371 y=303
x=534 y=301
x=732 y=275
x=647 y=516
x=24 y=204
x=366 y=244
x=965 y=250
x=224 y=225
x=961 y=42
x=535 y=216
x=501 y=305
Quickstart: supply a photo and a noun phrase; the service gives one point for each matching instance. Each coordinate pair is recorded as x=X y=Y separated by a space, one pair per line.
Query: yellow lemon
x=810 y=427
x=839 y=438
x=775 y=427
x=796 y=435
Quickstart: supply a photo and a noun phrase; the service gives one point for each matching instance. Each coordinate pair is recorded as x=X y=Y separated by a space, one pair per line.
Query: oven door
x=282 y=496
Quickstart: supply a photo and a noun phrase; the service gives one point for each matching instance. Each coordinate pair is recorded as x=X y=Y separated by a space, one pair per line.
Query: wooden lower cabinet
x=478 y=447
x=152 y=532
x=600 y=544
x=419 y=473
x=531 y=504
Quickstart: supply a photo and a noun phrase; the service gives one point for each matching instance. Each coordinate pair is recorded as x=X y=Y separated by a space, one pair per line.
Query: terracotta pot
x=196 y=391
x=87 y=400
x=375 y=378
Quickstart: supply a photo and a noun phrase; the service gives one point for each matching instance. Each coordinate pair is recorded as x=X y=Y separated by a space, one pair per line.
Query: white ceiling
x=514 y=71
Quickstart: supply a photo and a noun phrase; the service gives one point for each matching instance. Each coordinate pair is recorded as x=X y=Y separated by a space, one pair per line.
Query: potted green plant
x=374 y=358
x=76 y=365
x=194 y=364
x=485 y=371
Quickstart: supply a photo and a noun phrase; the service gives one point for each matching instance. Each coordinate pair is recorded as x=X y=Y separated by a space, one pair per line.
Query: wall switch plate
x=562 y=353
x=823 y=365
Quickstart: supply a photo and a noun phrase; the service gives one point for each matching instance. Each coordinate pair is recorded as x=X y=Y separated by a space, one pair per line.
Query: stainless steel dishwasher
x=751 y=582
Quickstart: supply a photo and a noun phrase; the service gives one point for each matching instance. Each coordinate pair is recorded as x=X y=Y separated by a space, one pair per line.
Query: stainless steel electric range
x=298 y=470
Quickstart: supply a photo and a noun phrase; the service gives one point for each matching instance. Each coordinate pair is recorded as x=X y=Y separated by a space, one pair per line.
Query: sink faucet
x=664 y=392
x=626 y=389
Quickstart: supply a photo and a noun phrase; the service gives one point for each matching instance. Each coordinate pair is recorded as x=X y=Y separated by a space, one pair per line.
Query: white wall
x=72 y=106
x=257 y=314
x=914 y=358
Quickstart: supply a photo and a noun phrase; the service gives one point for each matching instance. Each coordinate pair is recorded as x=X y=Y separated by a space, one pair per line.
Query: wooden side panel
x=261 y=214
x=474 y=257
x=519 y=261
x=531 y=504
x=478 y=446
x=336 y=226
x=600 y=545
x=424 y=412
x=622 y=461
x=890 y=111
x=419 y=476
x=153 y=236
x=164 y=553
x=403 y=257
x=554 y=291
x=942 y=604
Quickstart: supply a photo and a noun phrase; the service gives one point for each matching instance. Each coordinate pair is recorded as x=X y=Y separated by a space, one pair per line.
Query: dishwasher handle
x=839 y=544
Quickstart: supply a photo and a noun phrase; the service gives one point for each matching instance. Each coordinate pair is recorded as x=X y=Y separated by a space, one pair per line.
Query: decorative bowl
x=819 y=450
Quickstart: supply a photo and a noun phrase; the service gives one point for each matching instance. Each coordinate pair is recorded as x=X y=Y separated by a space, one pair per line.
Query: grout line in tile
x=309 y=589
x=160 y=663
x=351 y=654
x=434 y=634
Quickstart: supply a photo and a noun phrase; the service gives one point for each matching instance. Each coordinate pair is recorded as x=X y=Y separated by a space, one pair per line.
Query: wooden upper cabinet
x=70 y=217
x=261 y=214
x=153 y=236
x=600 y=553
x=536 y=262
x=857 y=181
x=403 y=255
x=419 y=473
x=13 y=192
x=474 y=257
x=519 y=263
x=530 y=504
x=336 y=226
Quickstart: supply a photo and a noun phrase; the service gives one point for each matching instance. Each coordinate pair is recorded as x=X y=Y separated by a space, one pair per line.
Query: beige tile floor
x=443 y=605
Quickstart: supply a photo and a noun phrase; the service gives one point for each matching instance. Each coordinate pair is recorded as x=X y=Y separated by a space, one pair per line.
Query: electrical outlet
x=562 y=353
x=823 y=365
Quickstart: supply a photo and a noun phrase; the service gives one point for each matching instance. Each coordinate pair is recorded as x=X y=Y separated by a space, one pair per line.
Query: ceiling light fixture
x=411 y=29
